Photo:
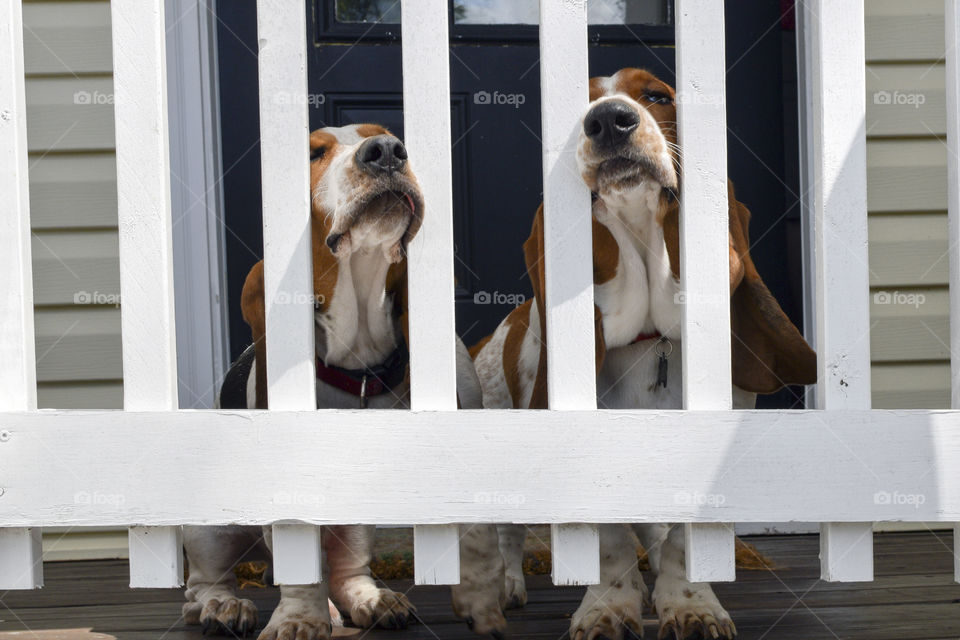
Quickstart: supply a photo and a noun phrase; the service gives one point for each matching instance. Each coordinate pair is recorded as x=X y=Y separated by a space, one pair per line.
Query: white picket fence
x=153 y=468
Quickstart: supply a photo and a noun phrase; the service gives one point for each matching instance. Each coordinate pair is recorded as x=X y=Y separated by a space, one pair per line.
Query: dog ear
x=533 y=254
x=253 y=309
x=767 y=351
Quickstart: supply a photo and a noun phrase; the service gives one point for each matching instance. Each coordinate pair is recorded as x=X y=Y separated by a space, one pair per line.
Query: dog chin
x=618 y=175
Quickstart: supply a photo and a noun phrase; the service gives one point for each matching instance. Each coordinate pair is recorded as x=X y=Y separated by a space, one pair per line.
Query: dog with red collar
x=366 y=207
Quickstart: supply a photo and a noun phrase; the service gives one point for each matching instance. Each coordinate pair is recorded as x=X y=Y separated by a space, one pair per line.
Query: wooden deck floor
x=913 y=598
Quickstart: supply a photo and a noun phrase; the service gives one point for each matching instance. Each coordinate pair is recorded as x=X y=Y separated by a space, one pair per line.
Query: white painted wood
x=953 y=189
x=704 y=244
x=837 y=67
x=433 y=372
x=18 y=378
x=426 y=121
x=912 y=472
x=710 y=552
x=145 y=230
x=952 y=35
x=285 y=152
x=199 y=262
x=846 y=552
x=571 y=546
x=156 y=557
x=568 y=250
x=297 y=554
x=21 y=565
x=436 y=554
x=143 y=185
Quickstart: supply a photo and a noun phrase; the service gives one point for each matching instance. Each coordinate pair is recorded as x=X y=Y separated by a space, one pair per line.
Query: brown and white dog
x=366 y=207
x=628 y=157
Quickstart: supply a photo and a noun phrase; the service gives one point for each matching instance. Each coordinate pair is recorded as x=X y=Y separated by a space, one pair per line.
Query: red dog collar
x=646 y=336
x=367 y=382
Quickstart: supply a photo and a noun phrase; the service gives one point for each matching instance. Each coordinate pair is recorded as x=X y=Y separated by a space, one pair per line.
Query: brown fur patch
x=606 y=254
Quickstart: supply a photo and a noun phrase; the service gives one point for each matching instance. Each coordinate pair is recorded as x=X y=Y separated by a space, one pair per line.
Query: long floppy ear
x=252 y=307
x=767 y=352
x=533 y=253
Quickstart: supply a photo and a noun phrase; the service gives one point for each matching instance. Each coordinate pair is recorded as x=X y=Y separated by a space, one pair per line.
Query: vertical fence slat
x=568 y=249
x=839 y=185
x=953 y=205
x=426 y=121
x=436 y=554
x=704 y=255
x=288 y=280
x=156 y=556
x=285 y=171
x=20 y=558
x=146 y=246
x=297 y=554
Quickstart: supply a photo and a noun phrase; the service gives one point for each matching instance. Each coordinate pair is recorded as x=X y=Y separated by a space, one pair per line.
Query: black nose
x=610 y=123
x=381 y=154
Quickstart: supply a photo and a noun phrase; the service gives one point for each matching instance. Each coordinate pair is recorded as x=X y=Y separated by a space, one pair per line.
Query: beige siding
x=67 y=55
x=907 y=195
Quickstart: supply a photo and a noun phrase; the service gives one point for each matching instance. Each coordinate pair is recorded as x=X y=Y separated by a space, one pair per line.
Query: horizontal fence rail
x=707 y=467
x=659 y=466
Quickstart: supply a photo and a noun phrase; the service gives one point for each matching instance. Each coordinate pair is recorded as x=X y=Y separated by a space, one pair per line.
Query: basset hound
x=366 y=207
x=628 y=157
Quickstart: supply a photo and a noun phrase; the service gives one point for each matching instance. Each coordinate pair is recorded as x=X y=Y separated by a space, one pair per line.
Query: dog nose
x=610 y=123
x=381 y=154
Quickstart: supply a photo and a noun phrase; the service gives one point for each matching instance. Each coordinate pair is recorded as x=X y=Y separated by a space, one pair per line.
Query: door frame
x=199 y=259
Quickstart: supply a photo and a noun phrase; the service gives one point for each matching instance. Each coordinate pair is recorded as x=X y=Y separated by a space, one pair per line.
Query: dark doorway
x=355 y=76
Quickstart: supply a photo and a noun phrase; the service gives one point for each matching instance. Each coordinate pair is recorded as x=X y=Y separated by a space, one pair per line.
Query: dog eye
x=657 y=98
x=316 y=154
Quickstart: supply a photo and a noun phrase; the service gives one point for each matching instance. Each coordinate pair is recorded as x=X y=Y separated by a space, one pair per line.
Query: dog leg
x=685 y=609
x=304 y=610
x=349 y=550
x=211 y=591
x=512 y=537
x=612 y=609
x=479 y=598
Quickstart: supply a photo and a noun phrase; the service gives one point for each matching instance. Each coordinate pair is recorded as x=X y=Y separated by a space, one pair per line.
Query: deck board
x=913 y=598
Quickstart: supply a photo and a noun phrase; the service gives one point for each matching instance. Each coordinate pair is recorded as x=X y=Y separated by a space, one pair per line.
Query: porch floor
x=913 y=597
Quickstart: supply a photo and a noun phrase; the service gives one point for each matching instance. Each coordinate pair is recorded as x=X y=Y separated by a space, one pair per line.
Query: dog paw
x=515 y=588
x=610 y=619
x=226 y=616
x=481 y=610
x=689 y=611
x=304 y=628
x=385 y=608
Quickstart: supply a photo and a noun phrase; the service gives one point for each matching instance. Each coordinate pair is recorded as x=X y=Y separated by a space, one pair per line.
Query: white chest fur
x=357 y=329
x=642 y=296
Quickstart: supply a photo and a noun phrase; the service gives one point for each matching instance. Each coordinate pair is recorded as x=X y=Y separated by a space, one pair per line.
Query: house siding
x=907 y=200
x=73 y=198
